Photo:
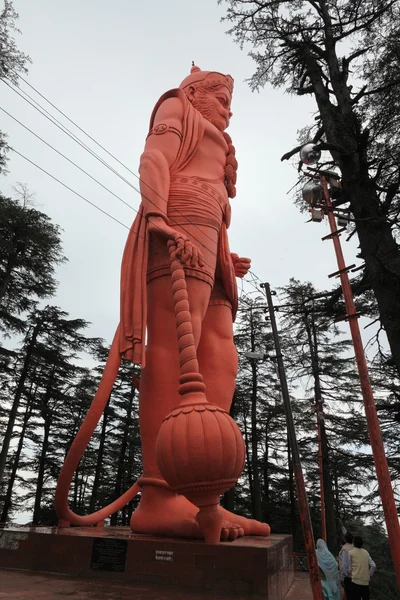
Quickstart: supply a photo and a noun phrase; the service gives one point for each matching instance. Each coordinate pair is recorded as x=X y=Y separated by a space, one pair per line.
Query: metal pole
x=312 y=340
x=378 y=450
x=321 y=474
x=305 y=518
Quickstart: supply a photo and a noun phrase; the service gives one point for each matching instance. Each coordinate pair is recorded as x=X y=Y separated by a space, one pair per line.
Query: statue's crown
x=213 y=78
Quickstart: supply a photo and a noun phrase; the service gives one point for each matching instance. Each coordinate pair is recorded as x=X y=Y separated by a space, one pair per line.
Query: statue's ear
x=190 y=93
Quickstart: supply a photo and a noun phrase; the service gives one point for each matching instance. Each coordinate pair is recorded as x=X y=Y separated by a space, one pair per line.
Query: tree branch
x=318 y=135
x=301 y=91
x=291 y=153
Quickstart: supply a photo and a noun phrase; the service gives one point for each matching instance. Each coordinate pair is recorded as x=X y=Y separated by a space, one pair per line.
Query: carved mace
x=200 y=450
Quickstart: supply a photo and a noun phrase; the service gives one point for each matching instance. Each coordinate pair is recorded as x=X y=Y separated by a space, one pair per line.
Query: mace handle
x=190 y=379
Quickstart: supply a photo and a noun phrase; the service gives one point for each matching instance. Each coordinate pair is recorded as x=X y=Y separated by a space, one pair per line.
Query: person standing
x=361 y=569
x=344 y=563
x=329 y=571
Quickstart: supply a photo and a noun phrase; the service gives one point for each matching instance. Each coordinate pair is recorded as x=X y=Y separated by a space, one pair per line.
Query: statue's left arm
x=241 y=265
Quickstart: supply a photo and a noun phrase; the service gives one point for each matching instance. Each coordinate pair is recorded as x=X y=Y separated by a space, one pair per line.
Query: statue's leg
x=218 y=363
x=162 y=512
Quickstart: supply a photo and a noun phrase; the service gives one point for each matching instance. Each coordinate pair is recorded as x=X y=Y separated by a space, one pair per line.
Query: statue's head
x=211 y=94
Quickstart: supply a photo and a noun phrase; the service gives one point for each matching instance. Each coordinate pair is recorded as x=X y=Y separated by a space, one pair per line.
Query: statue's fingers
x=241 y=269
x=195 y=257
x=187 y=252
x=180 y=239
x=245 y=261
x=200 y=261
x=178 y=251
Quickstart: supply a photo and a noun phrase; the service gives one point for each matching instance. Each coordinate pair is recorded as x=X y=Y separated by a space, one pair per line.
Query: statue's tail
x=65 y=514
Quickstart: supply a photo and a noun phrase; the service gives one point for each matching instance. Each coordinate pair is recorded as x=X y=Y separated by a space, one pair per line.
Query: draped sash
x=133 y=298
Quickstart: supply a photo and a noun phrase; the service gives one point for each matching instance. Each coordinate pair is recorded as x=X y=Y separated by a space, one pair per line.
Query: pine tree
x=322 y=362
x=30 y=250
x=12 y=62
x=346 y=56
x=259 y=412
x=46 y=373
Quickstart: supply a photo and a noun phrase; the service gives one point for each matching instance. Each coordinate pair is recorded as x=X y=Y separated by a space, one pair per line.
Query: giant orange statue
x=187 y=175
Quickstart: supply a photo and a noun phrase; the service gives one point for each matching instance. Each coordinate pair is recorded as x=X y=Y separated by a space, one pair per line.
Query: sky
x=105 y=66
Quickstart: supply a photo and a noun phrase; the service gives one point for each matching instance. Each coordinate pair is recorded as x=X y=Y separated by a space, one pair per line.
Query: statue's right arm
x=161 y=150
x=162 y=147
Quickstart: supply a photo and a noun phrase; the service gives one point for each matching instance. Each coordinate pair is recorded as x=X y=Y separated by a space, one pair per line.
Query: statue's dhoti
x=200 y=209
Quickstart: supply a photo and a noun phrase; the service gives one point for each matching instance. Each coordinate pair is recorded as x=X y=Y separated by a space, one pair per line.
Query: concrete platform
x=109 y=556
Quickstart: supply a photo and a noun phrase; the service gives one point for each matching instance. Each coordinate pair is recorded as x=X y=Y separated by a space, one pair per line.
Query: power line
x=83 y=145
x=91 y=203
x=83 y=171
x=69 y=188
x=66 y=158
x=65 y=130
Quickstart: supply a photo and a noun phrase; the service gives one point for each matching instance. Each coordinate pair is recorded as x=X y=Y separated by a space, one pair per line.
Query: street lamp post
x=325 y=204
x=298 y=471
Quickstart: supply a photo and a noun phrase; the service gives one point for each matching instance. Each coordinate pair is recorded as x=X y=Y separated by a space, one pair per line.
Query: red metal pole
x=321 y=474
x=375 y=436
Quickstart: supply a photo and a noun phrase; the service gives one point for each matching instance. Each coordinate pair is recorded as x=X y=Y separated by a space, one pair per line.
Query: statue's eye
x=223 y=101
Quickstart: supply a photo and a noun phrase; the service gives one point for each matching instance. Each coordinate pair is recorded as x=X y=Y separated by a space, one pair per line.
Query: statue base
x=251 y=566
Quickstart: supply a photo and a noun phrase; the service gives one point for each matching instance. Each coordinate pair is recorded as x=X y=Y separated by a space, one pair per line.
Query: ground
x=22 y=585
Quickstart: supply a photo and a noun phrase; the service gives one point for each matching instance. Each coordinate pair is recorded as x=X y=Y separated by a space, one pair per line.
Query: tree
x=323 y=363
x=334 y=51
x=51 y=346
x=30 y=250
x=12 y=61
x=259 y=411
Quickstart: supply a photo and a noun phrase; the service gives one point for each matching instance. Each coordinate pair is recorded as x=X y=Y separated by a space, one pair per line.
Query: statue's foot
x=249 y=526
x=163 y=513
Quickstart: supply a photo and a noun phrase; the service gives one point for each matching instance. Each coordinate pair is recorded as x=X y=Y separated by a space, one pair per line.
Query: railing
x=300 y=561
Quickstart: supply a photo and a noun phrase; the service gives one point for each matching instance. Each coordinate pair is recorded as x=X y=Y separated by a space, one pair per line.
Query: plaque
x=164 y=555
x=108 y=554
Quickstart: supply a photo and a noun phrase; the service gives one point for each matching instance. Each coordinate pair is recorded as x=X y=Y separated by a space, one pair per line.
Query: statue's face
x=214 y=103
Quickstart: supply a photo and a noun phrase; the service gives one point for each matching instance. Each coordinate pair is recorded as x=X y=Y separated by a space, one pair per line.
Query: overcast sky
x=105 y=65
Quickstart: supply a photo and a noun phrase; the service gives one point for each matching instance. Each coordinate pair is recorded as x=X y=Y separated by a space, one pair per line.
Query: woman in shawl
x=329 y=572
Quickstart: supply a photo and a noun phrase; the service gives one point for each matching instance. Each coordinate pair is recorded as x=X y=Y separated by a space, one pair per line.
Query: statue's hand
x=186 y=252
x=241 y=265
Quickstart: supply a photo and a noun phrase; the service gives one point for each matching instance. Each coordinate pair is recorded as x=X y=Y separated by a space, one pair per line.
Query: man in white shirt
x=344 y=565
x=361 y=568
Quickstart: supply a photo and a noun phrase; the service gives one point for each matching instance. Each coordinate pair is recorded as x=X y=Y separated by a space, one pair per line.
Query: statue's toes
x=233 y=533
x=231 y=530
x=224 y=534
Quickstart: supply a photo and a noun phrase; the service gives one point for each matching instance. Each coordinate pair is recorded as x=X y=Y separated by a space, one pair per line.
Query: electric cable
x=51 y=117
x=92 y=203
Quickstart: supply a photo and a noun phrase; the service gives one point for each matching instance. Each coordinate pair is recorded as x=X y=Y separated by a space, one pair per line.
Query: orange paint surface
x=178 y=283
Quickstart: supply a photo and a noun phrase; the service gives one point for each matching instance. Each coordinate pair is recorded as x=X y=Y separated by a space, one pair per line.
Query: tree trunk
x=326 y=470
x=292 y=498
x=17 y=399
x=266 y=475
x=248 y=460
x=121 y=457
x=100 y=454
x=76 y=490
x=256 y=492
x=42 y=463
x=7 y=501
x=379 y=249
x=7 y=276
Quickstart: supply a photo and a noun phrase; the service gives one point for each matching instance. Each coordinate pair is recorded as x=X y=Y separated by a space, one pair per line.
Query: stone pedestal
x=249 y=566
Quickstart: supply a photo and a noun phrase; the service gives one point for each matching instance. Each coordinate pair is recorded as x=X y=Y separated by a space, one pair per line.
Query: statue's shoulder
x=171 y=105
